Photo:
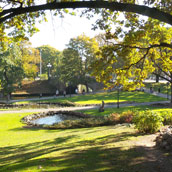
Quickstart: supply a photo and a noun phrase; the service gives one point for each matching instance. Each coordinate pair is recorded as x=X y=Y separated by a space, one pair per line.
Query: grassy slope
x=89 y=149
x=110 y=97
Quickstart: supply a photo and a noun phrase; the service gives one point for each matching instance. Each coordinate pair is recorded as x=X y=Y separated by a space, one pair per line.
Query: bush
x=126 y=117
x=114 y=118
x=148 y=121
x=167 y=116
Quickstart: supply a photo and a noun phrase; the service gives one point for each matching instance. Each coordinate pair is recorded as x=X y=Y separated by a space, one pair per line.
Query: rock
x=164 y=144
x=164 y=139
x=167 y=148
x=165 y=136
x=169 y=140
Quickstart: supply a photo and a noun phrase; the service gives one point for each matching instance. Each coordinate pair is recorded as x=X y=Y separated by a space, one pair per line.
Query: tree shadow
x=64 y=154
x=91 y=159
x=20 y=153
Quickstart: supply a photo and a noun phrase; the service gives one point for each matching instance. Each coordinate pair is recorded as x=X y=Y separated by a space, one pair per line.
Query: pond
x=56 y=118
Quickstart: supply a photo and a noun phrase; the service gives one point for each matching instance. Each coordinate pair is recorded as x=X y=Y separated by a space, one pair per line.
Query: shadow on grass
x=89 y=160
x=93 y=155
x=18 y=154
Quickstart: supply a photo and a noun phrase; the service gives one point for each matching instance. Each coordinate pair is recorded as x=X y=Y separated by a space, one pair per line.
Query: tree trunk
x=157 y=78
x=86 y=87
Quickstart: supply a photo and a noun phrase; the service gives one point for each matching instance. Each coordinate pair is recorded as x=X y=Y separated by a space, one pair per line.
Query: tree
x=140 y=53
x=11 y=71
x=71 y=67
x=21 y=15
x=77 y=59
x=49 y=55
x=30 y=59
x=16 y=63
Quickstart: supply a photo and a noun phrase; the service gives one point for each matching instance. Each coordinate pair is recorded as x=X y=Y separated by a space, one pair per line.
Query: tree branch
x=162 y=76
x=142 y=58
x=113 y=6
x=160 y=68
x=163 y=44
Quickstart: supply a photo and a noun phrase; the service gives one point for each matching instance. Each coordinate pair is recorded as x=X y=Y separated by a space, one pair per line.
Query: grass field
x=107 y=149
x=164 y=88
x=110 y=97
x=98 y=149
x=122 y=109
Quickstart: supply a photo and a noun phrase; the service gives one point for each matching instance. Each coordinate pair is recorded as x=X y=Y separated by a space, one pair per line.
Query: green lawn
x=99 y=149
x=110 y=97
x=122 y=109
x=164 y=88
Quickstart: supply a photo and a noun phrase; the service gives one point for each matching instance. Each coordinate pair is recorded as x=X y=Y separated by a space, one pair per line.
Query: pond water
x=50 y=120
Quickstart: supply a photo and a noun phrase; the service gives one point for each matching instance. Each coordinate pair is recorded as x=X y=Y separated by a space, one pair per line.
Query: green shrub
x=148 y=121
x=167 y=116
x=43 y=76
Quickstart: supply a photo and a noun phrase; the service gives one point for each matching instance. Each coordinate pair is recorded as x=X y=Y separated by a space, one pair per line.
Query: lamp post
x=40 y=64
x=49 y=66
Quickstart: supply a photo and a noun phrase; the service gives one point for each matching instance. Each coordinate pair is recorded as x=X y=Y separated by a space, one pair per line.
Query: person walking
x=76 y=91
x=64 y=93
x=57 y=93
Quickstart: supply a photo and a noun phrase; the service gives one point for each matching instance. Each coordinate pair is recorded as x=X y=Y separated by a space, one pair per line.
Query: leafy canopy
x=140 y=52
x=77 y=58
x=18 y=17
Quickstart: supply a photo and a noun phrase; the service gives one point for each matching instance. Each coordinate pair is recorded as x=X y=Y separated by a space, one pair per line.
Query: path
x=157 y=94
x=82 y=108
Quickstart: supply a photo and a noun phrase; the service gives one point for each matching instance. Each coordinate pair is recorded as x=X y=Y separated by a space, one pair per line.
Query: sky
x=57 y=32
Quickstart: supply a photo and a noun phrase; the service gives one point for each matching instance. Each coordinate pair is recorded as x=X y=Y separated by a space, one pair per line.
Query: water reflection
x=50 y=120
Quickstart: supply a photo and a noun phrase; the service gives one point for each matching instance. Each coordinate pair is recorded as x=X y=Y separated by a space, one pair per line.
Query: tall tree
x=77 y=59
x=11 y=71
x=49 y=55
x=30 y=59
x=16 y=63
x=71 y=67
